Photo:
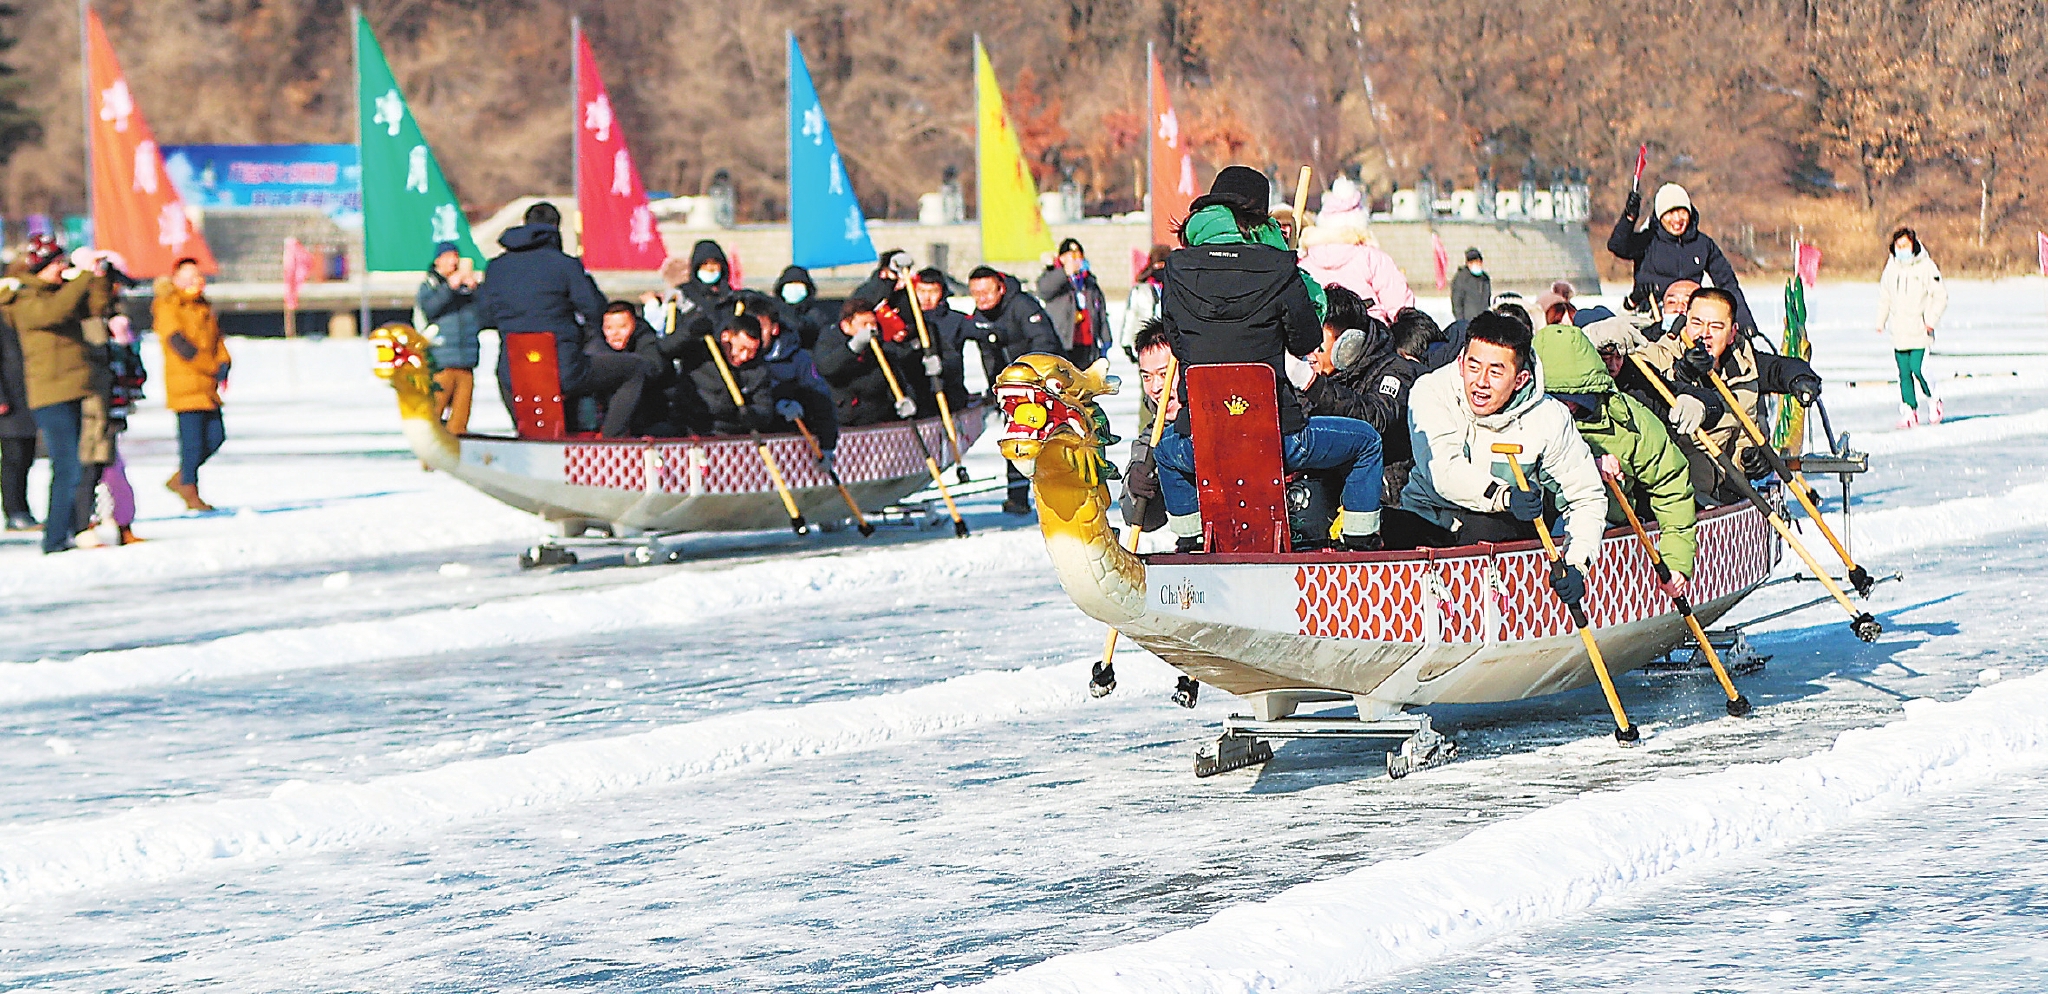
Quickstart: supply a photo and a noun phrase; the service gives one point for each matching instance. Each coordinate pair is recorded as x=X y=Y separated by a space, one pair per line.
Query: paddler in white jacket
x=1460 y=491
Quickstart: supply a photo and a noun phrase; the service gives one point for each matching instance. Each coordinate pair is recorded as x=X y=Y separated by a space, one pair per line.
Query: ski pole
x=1866 y=627
x=1623 y=731
x=1738 y=705
x=938 y=478
x=860 y=520
x=1103 y=679
x=1859 y=578
x=924 y=341
x=739 y=402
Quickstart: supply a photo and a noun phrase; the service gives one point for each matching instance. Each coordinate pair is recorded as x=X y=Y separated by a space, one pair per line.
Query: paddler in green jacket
x=1629 y=442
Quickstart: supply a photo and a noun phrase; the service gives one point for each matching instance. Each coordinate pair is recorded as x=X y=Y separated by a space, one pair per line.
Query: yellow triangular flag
x=1012 y=229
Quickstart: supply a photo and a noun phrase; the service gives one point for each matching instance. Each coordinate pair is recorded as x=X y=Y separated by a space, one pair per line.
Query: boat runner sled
x=1386 y=631
x=642 y=490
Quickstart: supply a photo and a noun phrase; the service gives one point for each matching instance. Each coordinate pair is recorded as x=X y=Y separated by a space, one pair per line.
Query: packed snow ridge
x=1334 y=934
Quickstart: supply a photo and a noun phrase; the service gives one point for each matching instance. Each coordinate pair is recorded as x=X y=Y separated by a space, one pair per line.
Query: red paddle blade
x=1642 y=159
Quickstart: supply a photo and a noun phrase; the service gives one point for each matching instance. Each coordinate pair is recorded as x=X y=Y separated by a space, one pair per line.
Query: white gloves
x=905 y=407
x=1615 y=333
x=933 y=365
x=857 y=343
x=1300 y=372
x=1687 y=414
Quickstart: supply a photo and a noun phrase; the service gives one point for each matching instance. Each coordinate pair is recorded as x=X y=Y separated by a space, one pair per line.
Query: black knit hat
x=1243 y=182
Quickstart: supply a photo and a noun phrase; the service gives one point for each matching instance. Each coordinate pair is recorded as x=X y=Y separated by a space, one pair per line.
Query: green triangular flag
x=407 y=204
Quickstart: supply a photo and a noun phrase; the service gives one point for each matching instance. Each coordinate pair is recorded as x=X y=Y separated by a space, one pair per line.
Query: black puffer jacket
x=860 y=390
x=949 y=330
x=17 y=422
x=1240 y=302
x=809 y=317
x=535 y=287
x=1016 y=328
x=1662 y=259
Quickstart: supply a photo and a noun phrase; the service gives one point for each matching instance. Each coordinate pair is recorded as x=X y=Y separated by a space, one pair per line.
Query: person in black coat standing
x=536 y=287
x=1669 y=247
x=17 y=433
x=1007 y=325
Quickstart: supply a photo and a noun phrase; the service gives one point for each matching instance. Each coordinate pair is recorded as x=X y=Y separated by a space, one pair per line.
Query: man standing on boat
x=537 y=287
x=1235 y=295
x=1460 y=492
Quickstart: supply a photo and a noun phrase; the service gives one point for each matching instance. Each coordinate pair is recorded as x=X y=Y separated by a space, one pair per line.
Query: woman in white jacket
x=1910 y=302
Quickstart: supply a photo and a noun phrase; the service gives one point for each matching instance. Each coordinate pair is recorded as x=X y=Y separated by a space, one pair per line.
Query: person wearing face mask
x=1472 y=288
x=803 y=312
x=1667 y=246
x=1074 y=301
x=1910 y=302
x=1676 y=297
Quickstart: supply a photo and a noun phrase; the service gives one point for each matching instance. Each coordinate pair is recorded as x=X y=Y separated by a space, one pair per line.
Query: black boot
x=1017 y=504
x=1187 y=544
x=1364 y=543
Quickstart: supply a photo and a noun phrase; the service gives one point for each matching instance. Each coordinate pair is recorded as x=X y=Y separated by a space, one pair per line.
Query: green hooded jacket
x=1623 y=428
x=1216 y=225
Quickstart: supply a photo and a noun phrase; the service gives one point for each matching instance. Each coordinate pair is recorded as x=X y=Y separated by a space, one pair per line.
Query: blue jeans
x=59 y=424
x=1327 y=443
x=199 y=436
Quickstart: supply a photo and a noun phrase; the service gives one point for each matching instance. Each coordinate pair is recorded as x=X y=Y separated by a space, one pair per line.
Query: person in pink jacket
x=1339 y=249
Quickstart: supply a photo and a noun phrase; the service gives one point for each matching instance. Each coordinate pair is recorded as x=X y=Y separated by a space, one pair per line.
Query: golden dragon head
x=402 y=360
x=1044 y=397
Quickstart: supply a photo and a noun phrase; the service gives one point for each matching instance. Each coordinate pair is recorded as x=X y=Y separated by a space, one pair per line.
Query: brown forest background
x=1833 y=118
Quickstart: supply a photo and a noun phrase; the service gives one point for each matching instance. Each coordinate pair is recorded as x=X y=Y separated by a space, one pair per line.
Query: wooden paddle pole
x=1859 y=578
x=1866 y=627
x=938 y=478
x=1103 y=679
x=924 y=341
x=1300 y=208
x=1738 y=705
x=1623 y=731
x=739 y=402
x=859 y=520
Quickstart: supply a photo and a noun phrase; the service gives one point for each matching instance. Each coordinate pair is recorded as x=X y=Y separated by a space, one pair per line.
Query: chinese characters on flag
x=618 y=227
x=135 y=209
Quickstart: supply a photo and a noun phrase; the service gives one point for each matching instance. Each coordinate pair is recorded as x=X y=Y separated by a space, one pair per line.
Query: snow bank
x=1903 y=529
x=678 y=599
x=1337 y=933
x=156 y=842
x=1953 y=434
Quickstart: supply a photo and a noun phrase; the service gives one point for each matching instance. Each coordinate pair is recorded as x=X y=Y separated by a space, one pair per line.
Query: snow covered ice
x=336 y=739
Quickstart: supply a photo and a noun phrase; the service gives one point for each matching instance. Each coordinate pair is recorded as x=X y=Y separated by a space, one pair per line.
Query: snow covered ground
x=333 y=738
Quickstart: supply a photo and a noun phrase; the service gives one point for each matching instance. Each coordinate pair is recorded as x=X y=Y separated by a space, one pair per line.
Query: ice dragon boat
x=638 y=490
x=1386 y=630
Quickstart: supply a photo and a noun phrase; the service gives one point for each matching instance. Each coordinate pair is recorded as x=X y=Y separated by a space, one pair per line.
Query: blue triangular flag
x=825 y=223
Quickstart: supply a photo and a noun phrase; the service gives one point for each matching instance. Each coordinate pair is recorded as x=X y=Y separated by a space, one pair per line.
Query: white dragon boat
x=639 y=490
x=1387 y=631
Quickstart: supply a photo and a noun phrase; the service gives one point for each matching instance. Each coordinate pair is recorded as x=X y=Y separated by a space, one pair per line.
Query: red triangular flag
x=618 y=228
x=135 y=209
x=1173 y=164
x=1443 y=260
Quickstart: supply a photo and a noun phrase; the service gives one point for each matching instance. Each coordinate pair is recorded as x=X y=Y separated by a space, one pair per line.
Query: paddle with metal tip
x=860 y=520
x=938 y=478
x=1859 y=578
x=1866 y=627
x=1738 y=705
x=924 y=341
x=1623 y=731
x=739 y=402
x=1102 y=679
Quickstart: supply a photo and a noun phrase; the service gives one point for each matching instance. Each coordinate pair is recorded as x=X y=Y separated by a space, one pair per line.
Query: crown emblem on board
x=1237 y=405
x=532 y=356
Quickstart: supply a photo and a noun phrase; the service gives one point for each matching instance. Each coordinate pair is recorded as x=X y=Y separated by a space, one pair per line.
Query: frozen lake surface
x=335 y=739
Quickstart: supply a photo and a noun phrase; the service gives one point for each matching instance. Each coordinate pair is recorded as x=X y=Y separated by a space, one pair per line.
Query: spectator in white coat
x=1910 y=302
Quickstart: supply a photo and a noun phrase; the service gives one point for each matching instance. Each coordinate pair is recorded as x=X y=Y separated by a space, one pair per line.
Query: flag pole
x=1151 y=132
x=980 y=188
x=575 y=141
x=85 y=98
x=789 y=136
x=355 y=34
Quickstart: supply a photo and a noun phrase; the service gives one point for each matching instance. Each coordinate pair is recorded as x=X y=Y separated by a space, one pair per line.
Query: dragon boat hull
x=699 y=484
x=1469 y=625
